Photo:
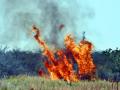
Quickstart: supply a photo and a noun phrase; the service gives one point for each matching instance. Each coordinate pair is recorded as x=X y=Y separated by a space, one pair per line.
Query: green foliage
x=113 y=60
x=108 y=64
x=18 y=62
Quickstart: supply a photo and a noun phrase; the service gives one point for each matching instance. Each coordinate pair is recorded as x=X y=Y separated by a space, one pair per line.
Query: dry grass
x=37 y=83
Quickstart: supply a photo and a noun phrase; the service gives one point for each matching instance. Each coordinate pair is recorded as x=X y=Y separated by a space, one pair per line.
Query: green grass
x=37 y=83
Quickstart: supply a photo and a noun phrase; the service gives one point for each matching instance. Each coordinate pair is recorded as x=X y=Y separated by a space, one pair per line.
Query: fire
x=82 y=55
x=62 y=66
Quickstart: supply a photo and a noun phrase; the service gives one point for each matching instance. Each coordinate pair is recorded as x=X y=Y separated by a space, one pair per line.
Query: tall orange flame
x=82 y=55
x=62 y=67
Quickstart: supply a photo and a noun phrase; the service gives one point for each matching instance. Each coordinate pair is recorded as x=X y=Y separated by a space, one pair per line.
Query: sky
x=100 y=20
x=106 y=22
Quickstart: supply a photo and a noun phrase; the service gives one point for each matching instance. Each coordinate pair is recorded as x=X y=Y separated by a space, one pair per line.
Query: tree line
x=18 y=62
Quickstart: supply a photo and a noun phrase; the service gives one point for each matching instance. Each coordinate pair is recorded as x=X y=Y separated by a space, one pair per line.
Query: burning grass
x=62 y=66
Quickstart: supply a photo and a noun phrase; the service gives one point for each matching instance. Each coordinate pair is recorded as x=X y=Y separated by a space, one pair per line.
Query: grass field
x=37 y=83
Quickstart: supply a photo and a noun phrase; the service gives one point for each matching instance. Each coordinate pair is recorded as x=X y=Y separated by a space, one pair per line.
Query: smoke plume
x=18 y=16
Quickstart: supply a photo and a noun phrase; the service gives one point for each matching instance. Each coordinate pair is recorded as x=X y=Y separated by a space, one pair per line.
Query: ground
x=25 y=82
